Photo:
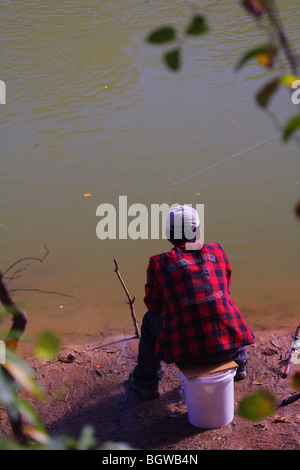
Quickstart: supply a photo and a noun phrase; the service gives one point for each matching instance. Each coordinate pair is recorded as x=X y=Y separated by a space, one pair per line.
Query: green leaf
x=8 y=395
x=264 y=49
x=257 y=405
x=172 y=59
x=31 y=415
x=292 y=125
x=197 y=26
x=111 y=445
x=22 y=374
x=162 y=35
x=87 y=439
x=3 y=313
x=47 y=346
x=266 y=92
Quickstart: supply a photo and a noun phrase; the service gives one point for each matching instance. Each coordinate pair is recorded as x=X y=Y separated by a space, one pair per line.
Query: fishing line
x=222 y=161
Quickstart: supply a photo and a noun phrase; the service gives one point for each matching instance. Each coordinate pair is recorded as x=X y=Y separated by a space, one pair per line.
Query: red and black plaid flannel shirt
x=192 y=291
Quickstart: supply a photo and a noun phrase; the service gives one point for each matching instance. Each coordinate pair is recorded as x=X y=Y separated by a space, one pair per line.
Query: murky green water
x=91 y=109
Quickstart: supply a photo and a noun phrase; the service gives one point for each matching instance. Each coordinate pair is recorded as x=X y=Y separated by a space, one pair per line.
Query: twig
x=28 y=258
x=130 y=300
x=41 y=291
x=14 y=276
x=274 y=19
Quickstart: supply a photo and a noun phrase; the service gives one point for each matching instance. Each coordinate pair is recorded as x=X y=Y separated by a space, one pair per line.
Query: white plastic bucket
x=209 y=399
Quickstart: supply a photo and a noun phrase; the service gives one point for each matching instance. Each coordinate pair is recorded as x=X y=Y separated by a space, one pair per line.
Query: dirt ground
x=87 y=384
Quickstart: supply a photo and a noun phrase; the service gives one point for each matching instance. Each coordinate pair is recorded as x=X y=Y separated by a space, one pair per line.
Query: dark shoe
x=148 y=390
x=241 y=373
x=240 y=376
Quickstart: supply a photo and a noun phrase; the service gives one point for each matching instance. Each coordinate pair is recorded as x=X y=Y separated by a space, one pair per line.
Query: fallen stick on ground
x=130 y=300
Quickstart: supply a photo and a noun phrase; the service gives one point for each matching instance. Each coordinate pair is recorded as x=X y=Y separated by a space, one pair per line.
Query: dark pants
x=149 y=368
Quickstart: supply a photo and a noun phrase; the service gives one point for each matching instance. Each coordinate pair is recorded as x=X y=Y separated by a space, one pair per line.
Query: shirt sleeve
x=153 y=291
x=228 y=268
x=228 y=271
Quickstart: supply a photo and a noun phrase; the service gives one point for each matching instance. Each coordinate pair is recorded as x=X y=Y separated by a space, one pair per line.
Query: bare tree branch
x=41 y=291
x=16 y=274
x=27 y=258
x=274 y=19
x=130 y=300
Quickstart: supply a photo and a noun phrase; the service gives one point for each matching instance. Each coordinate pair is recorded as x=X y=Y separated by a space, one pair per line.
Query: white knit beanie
x=184 y=220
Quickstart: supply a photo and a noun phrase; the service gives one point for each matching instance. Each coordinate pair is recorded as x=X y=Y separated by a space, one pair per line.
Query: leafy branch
x=14 y=373
x=166 y=34
x=266 y=55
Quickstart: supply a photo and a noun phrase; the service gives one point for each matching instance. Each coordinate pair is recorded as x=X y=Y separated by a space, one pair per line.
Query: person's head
x=183 y=225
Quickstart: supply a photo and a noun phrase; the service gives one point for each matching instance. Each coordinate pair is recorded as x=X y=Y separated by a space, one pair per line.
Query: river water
x=90 y=108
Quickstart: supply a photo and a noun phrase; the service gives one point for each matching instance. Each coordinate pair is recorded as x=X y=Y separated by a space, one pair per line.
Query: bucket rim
x=214 y=377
